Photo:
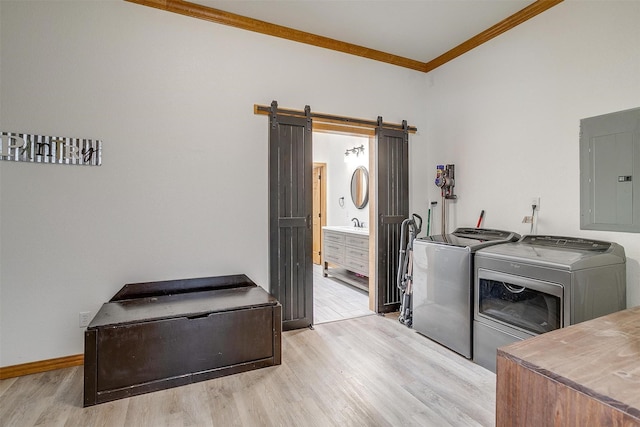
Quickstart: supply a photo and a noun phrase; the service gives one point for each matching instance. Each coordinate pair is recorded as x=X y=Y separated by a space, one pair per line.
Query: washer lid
x=472 y=237
x=568 y=253
x=485 y=234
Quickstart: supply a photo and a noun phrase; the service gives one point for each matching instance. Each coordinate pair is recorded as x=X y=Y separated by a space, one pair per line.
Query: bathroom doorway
x=338 y=292
x=291 y=206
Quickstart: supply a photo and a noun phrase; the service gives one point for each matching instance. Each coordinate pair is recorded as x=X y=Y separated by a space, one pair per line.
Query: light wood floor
x=335 y=300
x=367 y=371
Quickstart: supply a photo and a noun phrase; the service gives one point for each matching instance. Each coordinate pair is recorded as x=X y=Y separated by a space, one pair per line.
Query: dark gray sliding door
x=290 y=208
x=392 y=196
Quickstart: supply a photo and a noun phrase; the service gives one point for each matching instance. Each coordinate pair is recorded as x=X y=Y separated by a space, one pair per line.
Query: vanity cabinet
x=333 y=245
x=356 y=254
x=346 y=248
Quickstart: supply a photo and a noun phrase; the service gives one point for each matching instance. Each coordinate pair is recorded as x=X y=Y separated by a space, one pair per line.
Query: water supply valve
x=445 y=179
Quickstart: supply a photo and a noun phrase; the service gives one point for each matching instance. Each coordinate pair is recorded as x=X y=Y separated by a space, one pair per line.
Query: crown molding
x=238 y=21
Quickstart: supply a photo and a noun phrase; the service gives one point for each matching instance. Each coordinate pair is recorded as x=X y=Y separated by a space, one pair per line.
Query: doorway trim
x=321 y=218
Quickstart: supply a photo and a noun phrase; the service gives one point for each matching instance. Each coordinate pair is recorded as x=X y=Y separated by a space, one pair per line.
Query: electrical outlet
x=536 y=201
x=84 y=318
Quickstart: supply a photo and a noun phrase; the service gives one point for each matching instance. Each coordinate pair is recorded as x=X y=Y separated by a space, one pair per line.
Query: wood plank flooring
x=335 y=300
x=366 y=371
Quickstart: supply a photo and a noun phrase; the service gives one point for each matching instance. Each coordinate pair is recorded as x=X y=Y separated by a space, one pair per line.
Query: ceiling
x=418 y=34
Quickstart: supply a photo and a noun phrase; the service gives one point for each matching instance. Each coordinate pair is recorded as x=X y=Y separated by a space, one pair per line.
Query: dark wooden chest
x=156 y=335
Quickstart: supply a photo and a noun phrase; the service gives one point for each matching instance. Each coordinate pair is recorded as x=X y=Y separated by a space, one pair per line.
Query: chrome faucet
x=356 y=222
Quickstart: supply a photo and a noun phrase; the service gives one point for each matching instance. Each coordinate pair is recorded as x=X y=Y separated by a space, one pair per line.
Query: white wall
x=507 y=114
x=330 y=148
x=182 y=191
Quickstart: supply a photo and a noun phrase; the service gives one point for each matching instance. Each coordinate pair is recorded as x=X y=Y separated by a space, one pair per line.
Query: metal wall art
x=22 y=147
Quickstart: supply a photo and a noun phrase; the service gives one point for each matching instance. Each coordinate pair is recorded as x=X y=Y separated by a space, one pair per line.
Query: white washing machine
x=443 y=284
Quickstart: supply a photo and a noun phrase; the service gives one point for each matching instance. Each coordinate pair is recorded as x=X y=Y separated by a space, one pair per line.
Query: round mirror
x=360 y=187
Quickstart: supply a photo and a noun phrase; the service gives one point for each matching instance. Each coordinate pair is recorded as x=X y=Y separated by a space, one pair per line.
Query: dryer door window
x=521 y=303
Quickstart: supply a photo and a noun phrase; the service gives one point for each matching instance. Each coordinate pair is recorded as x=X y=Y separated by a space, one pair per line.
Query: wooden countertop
x=599 y=357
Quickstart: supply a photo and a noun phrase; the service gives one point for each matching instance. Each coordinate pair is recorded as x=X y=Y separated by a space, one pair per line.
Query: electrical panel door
x=609 y=171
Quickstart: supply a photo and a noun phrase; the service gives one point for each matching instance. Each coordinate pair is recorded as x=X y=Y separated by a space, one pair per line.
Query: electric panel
x=609 y=165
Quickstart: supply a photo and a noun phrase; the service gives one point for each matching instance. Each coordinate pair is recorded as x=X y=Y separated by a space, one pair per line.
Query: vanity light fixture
x=355 y=150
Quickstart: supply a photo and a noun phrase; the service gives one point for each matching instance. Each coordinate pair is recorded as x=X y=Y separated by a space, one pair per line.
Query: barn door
x=290 y=207
x=392 y=195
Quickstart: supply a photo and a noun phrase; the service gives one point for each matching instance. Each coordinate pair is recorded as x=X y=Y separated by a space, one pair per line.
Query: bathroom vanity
x=346 y=254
